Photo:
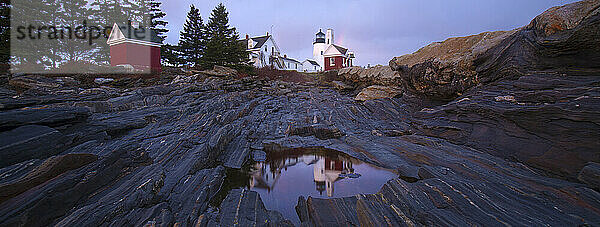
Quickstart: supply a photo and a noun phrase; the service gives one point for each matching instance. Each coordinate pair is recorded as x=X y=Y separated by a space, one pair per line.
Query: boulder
x=377 y=92
x=444 y=70
x=590 y=174
x=339 y=85
x=220 y=71
x=378 y=75
x=561 y=18
x=184 y=79
x=531 y=96
x=103 y=80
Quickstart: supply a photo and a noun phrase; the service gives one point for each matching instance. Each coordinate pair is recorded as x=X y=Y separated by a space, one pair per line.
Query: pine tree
x=171 y=55
x=223 y=47
x=73 y=13
x=31 y=54
x=157 y=23
x=192 y=38
x=107 y=13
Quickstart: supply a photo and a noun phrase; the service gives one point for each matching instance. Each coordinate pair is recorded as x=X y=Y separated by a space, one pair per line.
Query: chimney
x=267 y=33
x=329 y=36
x=247 y=37
x=285 y=56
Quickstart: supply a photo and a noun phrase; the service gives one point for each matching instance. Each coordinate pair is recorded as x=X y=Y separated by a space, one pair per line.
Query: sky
x=376 y=30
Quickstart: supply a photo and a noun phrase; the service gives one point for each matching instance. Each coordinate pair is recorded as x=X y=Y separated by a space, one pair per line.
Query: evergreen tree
x=159 y=26
x=73 y=13
x=222 y=47
x=107 y=13
x=192 y=38
x=171 y=55
x=30 y=53
x=157 y=23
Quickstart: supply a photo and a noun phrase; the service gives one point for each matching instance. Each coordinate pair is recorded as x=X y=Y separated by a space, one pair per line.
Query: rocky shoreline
x=502 y=132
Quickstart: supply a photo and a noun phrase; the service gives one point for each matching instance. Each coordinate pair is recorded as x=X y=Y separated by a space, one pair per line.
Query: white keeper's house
x=264 y=52
x=327 y=55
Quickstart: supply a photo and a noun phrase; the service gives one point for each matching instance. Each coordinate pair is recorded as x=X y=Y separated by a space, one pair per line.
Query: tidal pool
x=321 y=173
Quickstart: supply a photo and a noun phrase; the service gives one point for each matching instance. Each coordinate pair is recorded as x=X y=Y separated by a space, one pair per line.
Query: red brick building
x=134 y=47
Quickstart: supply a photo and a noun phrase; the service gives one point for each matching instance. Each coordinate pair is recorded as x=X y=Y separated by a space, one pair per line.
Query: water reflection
x=327 y=169
x=321 y=173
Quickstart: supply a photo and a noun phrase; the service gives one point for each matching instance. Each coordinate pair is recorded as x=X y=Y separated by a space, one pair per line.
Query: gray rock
x=30 y=142
x=103 y=80
x=161 y=149
x=42 y=116
x=590 y=174
x=245 y=208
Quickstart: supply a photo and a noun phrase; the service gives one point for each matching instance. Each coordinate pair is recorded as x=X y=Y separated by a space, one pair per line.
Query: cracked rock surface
x=518 y=146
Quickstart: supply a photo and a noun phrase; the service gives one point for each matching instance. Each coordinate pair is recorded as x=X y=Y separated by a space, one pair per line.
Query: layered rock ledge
x=514 y=141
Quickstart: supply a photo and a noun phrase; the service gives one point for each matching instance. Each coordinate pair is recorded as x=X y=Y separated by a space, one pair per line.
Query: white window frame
x=331 y=61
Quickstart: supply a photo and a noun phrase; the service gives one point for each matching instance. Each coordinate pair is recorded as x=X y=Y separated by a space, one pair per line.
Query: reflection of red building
x=334 y=164
x=327 y=171
x=136 y=48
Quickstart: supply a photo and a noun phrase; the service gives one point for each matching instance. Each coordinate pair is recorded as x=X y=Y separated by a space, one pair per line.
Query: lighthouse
x=319 y=46
x=329 y=55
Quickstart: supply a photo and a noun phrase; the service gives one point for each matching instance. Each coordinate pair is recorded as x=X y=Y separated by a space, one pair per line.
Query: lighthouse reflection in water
x=319 y=173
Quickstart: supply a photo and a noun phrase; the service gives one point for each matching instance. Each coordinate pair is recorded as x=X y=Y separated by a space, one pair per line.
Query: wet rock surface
x=512 y=147
x=243 y=208
x=162 y=152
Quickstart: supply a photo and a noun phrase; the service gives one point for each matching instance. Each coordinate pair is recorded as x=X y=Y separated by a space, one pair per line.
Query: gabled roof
x=341 y=49
x=291 y=59
x=334 y=50
x=260 y=41
x=121 y=33
x=312 y=62
x=257 y=42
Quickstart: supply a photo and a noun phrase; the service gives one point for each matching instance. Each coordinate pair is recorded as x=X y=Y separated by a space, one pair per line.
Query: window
x=321 y=52
x=331 y=61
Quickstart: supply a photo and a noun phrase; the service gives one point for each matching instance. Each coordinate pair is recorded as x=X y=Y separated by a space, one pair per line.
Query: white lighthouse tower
x=320 y=45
